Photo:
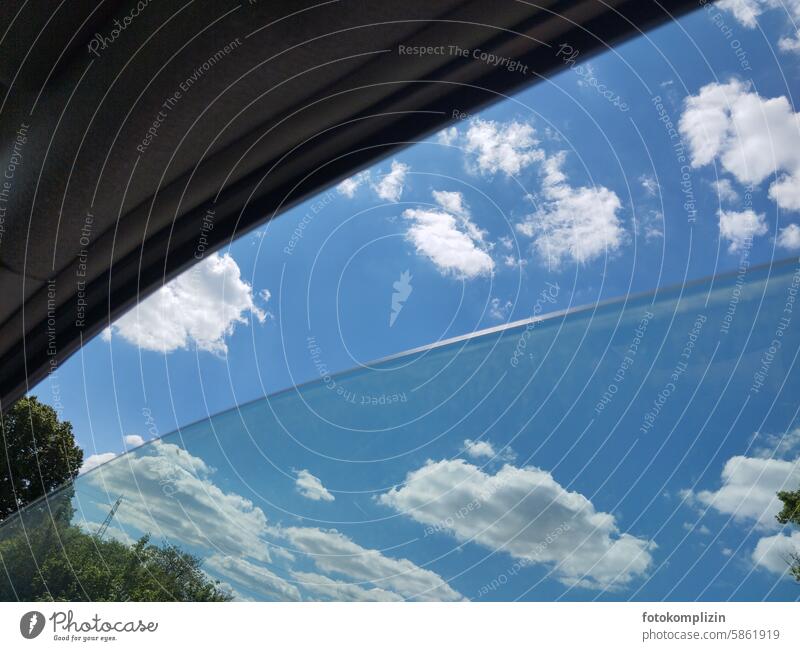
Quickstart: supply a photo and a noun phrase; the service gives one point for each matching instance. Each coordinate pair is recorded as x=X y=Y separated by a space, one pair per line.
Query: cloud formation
x=448 y=237
x=334 y=552
x=329 y=588
x=177 y=498
x=94 y=460
x=311 y=487
x=753 y=138
x=749 y=487
x=200 y=307
x=492 y=147
x=251 y=577
x=789 y=238
x=577 y=224
x=390 y=187
x=349 y=186
x=740 y=228
x=517 y=510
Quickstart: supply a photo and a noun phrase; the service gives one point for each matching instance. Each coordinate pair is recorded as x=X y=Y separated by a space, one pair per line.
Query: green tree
x=38 y=454
x=791 y=513
x=52 y=560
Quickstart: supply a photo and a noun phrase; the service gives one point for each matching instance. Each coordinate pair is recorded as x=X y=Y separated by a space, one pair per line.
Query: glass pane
x=572 y=457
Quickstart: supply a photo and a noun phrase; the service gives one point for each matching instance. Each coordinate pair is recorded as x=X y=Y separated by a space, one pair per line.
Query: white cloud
x=201 y=306
x=478 y=449
x=447 y=136
x=774 y=553
x=452 y=202
x=753 y=137
x=649 y=184
x=745 y=11
x=748 y=11
x=94 y=460
x=484 y=449
x=311 y=487
x=341 y=590
x=575 y=223
x=790 y=43
x=506 y=147
x=334 y=552
x=518 y=510
x=173 y=495
x=133 y=441
x=390 y=187
x=749 y=487
x=449 y=238
x=777 y=445
x=740 y=227
x=725 y=191
x=176 y=498
x=250 y=576
x=499 y=310
x=349 y=186
x=789 y=237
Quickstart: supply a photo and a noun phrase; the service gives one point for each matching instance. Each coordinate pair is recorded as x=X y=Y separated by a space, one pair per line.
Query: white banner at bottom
x=401 y=626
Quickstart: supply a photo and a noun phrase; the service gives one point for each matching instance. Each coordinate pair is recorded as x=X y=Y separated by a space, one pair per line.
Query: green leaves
x=37 y=454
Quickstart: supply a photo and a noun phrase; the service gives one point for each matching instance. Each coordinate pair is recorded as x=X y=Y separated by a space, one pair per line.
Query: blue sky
x=673 y=157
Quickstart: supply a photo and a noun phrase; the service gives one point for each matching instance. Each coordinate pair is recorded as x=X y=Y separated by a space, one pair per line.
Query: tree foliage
x=52 y=560
x=790 y=513
x=37 y=454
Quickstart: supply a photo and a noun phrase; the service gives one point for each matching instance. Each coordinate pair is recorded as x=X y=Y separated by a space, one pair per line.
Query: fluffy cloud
x=518 y=510
x=252 y=577
x=452 y=202
x=506 y=147
x=485 y=450
x=311 y=487
x=329 y=588
x=748 y=489
x=574 y=223
x=790 y=43
x=740 y=227
x=745 y=11
x=449 y=238
x=334 y=552
x=94 y=460
x=478 y=449
x=789 y=237
x=390 y=187
x=447 y=136
x=349 y=186
x=133 y=441
x=172 y=495
x=725 y=191
x=201 y=306
x=777 y=445
x=752 y=137
x=176 y=498
x=774 y=553
x=748 y=494
x=748 y=11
